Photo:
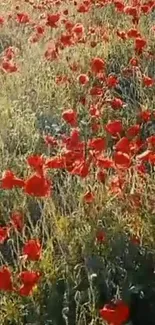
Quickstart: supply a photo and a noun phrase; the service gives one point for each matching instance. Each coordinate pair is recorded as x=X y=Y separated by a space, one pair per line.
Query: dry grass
x=66 y=226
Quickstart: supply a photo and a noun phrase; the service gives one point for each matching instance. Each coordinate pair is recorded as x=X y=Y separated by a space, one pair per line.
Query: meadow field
x=77 y=157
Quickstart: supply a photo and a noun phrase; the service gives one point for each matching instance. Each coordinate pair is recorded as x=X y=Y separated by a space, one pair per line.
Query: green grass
x=67 y=227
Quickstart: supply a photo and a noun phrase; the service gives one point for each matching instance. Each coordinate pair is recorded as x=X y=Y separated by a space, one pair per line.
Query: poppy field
x=77 y=162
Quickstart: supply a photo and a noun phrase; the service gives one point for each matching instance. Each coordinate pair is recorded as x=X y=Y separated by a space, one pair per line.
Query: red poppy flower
x=97 y=144
x=134 y=62
x=51 y=53
x=37 y=163
x=111 y=81
x=78 y=29
x=145 y=9
x=122 y=34
x=66 y=40
x=96 y=91
x=52 y=20
x=51 y=141
x=88 y=197
x=5 y=279
x=70 y=116
x=135 y=240
x=17 y=220
x=131 y=10
x=9 y=53
x=25 y=290
x=56 y=162
x=140 y=43
x=101 y=176
x=123 y=145
x=133 y=130
x=29 y=280
x=83 y=79
x=116 y=103
x=147 y=81
x=122 y=159
x=100 y=236
x=115 y=314
x=133 y=33
x=9 y=181
x=145 y=115
x=103 y=162
x=9 y=66
x=151 y=140
x=29 y=277
x=40 y=29
x=2 y=20
x=119 y=5
x=37 y=185
x=32 y=249
x=114 y=127
x=83 y=8
x=81 y=169
x=22 y=18
x=4 y=234
x=97 y=65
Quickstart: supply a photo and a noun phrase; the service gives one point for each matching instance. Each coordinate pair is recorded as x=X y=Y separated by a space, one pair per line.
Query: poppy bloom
x=4 y=234
x=83 y=79
x=5 y=279
x=9 y=66
x=55 y=162
x=37 y=163
x=151 y=140
x=83 y=8
x=145 y=115
x=133 y=130
x=133 y=33
x=97 y=65
x=100 y=236
x=52 y=20
x=88 y=197
x=78 y=29
x=22 y=18
x=140 y=43
x=9 y=53
x=115 y=314
x=147 y=81
x=123 y=145
x=101 y=176
x=112 y=81
x=17 y=220
x=97 y=144
x=116 y=103
x=122 y=159
x=29 y=280
x=122 y=34
x=66 y=40
x=96 y=91
x=70 y=116
x=119 y=6
x=40 y=29
x=50 y=141
x=32 y=249
x=114 y=127
x=134 y=62
x=81 y=169
x=9 y=181
x=51 y=53
x=1 y=21
x=103 y=162
x=37 y=185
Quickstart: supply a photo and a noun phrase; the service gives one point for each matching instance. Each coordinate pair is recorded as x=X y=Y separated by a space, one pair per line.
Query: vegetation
x=77 y=155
